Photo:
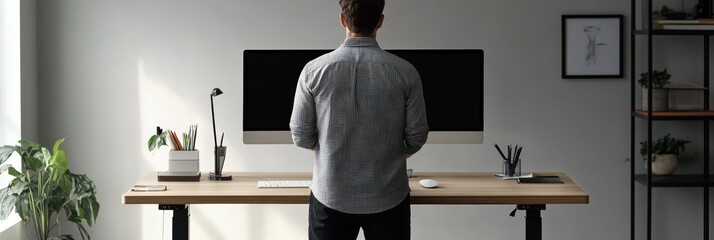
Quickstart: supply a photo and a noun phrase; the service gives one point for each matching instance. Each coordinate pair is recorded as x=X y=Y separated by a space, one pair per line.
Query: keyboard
x=284 y=184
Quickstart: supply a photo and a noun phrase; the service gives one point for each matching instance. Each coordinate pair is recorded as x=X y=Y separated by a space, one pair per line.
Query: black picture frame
x=592 y=46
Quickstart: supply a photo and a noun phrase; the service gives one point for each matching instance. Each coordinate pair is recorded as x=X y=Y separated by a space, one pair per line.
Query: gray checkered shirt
x=362 y=110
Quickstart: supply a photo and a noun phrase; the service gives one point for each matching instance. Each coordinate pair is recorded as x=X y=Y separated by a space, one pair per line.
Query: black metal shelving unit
x=680 y=180
x=648 y=180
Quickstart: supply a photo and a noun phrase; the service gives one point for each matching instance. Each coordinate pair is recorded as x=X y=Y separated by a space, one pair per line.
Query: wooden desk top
x=454 y=188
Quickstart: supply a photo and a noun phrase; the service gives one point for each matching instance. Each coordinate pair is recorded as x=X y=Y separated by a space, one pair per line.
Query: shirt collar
x=360 y=42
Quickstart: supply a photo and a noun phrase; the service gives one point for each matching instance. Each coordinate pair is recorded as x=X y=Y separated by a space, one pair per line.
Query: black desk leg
x=179 y=228
x=534 y=226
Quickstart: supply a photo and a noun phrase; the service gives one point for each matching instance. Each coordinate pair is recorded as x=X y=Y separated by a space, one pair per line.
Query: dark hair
x=362 y=16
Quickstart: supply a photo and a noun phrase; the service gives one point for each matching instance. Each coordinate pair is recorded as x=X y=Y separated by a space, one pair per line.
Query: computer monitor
x=452 y=80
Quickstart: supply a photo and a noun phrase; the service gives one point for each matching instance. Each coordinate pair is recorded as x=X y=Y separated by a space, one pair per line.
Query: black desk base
x=179 y=230
x=179 y=223
x=534 y=223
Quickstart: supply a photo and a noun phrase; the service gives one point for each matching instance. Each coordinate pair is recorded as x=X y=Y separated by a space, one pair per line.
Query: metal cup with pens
x=511 y=161
x=220 y=159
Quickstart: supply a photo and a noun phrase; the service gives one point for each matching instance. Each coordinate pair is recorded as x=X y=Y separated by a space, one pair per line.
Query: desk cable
x=513 y=213
x=163 y=219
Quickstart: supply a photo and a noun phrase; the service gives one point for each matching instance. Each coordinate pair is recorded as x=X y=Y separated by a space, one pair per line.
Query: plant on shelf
x=44 y=191
x=664 y=154
x=660 y=80
x=662 y=13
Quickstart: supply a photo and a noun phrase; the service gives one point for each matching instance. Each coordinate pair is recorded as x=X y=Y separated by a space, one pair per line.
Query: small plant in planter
x=158 y=140
x=660 y=80
x=662 y=13
x=664 y=154
x=182 y=157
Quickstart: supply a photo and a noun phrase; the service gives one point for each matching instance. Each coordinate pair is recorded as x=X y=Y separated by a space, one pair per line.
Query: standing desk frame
x=460 y=188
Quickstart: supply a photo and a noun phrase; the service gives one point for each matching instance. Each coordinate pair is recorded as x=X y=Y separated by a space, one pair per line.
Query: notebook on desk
x=541 y=179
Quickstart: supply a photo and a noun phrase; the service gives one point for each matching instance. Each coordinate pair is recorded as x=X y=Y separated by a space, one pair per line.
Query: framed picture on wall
x=592 y=46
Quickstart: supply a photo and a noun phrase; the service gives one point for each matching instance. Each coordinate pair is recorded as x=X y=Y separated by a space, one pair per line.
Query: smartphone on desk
x=148 y=188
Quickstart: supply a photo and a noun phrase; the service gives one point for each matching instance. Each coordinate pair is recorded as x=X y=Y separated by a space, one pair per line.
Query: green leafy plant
x=157 y=140
x=44 y=188
x=665 y=10
x=664 y=145
x=662 y=13
x=660 y=79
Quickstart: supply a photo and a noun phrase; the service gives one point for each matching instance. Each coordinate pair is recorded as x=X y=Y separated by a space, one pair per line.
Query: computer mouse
x=428 y=183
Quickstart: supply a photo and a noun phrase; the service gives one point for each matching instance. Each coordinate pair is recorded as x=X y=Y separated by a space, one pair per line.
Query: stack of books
x=696 y=24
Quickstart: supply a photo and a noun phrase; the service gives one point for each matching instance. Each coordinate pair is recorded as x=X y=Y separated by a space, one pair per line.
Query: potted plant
x=182 y=159
x=44 y=191
x=662 y=13
x=664 y=154
x=660 y=80
x=158 y=140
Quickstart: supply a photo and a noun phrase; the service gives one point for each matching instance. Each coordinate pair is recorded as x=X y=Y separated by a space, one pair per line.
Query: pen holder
x=220 y=158
x=183 y=161
x=511 y=169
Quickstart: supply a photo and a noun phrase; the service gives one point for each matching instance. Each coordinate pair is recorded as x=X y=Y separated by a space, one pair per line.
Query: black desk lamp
x=219 y=151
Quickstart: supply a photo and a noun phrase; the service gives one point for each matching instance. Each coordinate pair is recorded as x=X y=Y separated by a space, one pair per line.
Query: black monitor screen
x=452 y=82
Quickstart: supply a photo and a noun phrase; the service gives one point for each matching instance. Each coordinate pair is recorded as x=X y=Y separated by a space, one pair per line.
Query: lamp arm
x=213 y=117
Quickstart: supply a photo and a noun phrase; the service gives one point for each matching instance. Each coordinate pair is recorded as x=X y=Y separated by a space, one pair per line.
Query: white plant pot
x=664 y=164
x=183 y=161
x=660 y=99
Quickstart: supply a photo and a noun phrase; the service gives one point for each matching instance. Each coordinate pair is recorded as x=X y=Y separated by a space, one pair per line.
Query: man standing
x=362 y=110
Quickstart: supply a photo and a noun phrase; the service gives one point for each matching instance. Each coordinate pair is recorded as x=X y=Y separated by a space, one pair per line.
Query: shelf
x=701 y=115
x=645 y=29
x=676 y=32
x=677 y=180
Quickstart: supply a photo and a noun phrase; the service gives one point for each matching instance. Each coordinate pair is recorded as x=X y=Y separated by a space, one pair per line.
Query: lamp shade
x=216 y=92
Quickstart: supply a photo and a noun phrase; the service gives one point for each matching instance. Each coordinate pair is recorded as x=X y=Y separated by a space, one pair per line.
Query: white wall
x=10 y=117
x=25 y=113
x=28 y=68
x=111 y=71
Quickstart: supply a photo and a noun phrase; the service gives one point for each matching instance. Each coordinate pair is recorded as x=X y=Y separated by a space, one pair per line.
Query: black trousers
x=329 y=224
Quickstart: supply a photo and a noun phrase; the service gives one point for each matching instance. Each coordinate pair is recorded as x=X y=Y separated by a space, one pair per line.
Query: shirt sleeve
x=416 y=129
x=303 y=123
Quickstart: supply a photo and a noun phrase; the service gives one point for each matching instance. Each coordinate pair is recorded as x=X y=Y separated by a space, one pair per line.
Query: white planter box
x=686 y=97
x=183 y=161
x=659 y=101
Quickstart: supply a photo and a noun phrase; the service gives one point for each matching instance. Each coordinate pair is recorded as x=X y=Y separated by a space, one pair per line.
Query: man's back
x=362 y=110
